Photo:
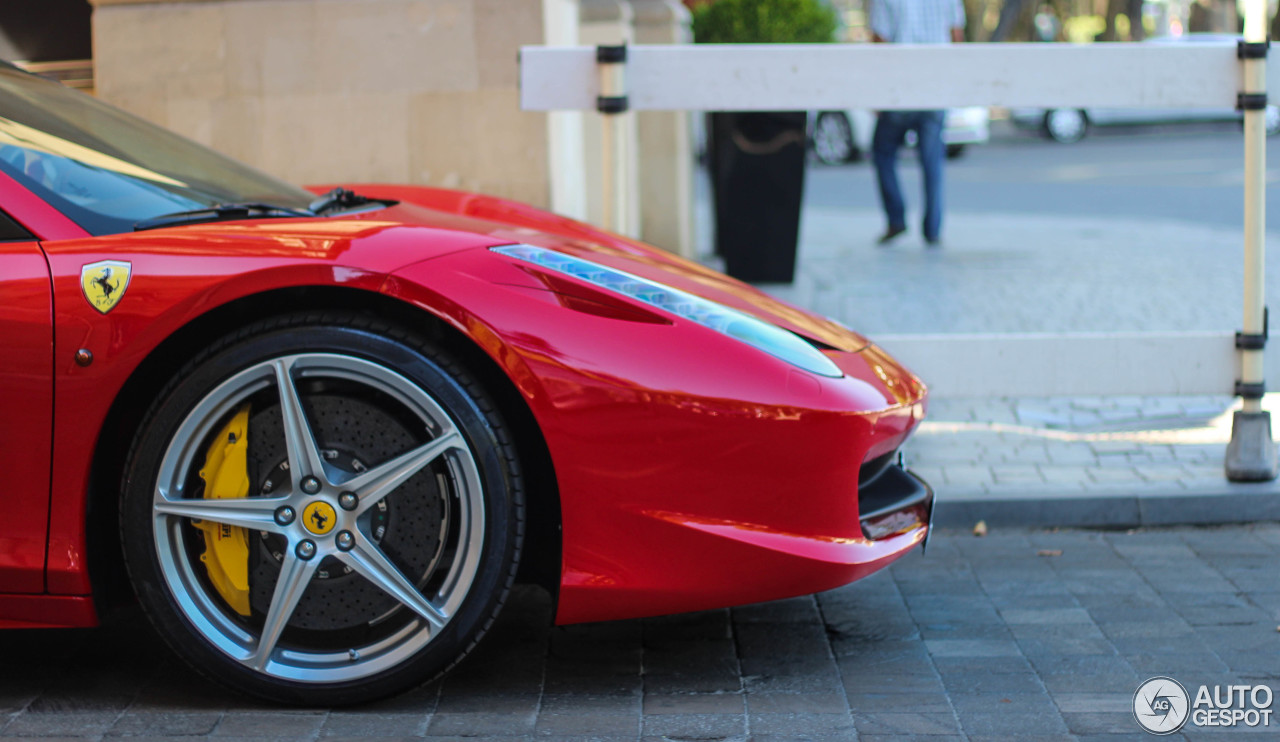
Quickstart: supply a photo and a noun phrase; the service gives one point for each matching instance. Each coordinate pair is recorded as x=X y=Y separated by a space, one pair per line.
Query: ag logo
x=104 y=282
x=1161 y=705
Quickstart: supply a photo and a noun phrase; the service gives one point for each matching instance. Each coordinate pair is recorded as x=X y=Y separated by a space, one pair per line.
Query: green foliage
x=764 y=22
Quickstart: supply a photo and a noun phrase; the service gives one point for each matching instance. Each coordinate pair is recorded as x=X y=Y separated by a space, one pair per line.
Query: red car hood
x=505 y=222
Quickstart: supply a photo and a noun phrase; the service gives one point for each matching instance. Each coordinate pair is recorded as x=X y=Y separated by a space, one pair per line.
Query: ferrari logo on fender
x=104 y=282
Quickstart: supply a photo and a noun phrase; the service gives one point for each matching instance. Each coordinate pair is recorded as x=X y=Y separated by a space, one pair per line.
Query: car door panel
x=26 y=428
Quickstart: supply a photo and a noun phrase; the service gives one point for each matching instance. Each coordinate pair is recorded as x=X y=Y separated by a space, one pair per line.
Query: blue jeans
x=891 y=131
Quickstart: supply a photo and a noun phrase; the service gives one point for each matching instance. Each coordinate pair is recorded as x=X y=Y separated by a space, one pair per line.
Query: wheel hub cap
x=319 y=517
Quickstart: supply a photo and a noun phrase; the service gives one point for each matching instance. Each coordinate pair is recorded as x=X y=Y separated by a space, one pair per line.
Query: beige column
x=609 y=22
x=417 y=91
x=666 y=150
x=566 y=163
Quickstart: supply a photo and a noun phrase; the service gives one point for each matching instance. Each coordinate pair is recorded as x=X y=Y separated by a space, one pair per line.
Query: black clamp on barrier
x=1252 y=49
x=1251 y=101
x=612 y=103
x=1247 y=341
x=606 y=54
x=616 y=54
x=1251 y=341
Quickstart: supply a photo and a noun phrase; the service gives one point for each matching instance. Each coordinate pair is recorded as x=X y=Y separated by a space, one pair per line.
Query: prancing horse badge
x=104 y=282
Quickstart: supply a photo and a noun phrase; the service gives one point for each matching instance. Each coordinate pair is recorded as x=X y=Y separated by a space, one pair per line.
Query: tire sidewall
x=425 y=366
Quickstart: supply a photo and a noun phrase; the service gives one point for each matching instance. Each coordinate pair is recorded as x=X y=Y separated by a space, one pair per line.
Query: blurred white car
x=845 y=136
x=1072 y=124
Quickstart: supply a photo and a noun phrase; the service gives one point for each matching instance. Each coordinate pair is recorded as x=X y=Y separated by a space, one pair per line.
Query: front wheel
x=1066 y=125
x=322 y=509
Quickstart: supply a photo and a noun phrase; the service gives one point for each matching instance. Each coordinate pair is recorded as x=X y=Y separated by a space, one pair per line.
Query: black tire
x=386 y=412
x=833 y=142
x=1065 y=125
x=955 y=151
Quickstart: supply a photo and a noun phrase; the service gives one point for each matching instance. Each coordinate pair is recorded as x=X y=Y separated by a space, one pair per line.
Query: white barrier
x=749 y=77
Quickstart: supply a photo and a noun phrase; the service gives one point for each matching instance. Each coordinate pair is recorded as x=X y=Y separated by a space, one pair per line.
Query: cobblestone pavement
x=1022 y=635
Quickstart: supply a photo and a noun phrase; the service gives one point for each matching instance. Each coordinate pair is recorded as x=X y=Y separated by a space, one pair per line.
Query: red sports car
x=320 y=433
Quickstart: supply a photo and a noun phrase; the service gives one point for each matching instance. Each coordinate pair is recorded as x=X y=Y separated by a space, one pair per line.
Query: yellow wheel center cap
x=319 y=517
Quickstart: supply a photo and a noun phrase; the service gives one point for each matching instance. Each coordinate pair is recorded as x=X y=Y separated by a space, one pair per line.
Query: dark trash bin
x=756 y=162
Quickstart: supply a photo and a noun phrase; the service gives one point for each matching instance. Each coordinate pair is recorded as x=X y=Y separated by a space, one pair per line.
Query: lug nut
x=348 y=501
x=285 y=515
x=310 y=485
x=346 y=540
x=306 y=549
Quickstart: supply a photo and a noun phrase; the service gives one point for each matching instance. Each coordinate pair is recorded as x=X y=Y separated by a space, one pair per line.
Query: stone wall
x=418 y=91
x=407 y=91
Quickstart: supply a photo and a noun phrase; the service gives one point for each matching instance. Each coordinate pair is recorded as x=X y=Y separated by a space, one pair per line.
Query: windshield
x=106 y=169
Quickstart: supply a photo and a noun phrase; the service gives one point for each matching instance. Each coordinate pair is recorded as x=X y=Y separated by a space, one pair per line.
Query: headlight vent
x=757 y=333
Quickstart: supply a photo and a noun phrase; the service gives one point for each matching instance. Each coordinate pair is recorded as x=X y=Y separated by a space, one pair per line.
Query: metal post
x=611 y=103
x=1251 y=455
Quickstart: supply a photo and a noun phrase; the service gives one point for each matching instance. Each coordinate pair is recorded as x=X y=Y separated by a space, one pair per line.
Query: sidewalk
x=1056 y=461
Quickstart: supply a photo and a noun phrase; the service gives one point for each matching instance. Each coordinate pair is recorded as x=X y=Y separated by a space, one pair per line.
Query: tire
x=408 y=575
x=833 y=139
x=1065 y=125
x=955 y=151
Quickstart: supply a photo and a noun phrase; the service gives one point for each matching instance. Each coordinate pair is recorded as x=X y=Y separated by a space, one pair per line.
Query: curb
x=1211 y=504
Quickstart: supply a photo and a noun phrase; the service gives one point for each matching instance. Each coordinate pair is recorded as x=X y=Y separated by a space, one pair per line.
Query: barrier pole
x=612 y=102
x=1251 y=454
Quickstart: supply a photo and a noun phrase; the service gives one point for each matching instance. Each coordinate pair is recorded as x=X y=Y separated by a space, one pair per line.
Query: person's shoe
x=932 y=242
x=890 y=235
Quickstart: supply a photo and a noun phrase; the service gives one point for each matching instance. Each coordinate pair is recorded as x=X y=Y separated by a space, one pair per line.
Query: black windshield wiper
x=219 y=213
x=338 y=198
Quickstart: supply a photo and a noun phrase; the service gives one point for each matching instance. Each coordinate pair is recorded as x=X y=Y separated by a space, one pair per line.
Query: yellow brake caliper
x=226 y=548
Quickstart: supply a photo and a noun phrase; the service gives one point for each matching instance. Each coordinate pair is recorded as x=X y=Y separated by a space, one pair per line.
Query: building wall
x=418 y=91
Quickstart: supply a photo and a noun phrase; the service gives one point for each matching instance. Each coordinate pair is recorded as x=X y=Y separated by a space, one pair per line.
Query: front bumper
x=726 y=562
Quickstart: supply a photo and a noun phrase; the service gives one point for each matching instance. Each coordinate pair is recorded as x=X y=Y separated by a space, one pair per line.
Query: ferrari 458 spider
x=321 y=432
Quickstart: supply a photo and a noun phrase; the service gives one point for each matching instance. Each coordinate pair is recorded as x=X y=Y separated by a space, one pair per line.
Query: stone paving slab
x=1022 y=635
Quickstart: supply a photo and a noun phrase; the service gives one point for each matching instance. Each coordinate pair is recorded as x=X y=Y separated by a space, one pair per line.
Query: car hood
x=384 y=240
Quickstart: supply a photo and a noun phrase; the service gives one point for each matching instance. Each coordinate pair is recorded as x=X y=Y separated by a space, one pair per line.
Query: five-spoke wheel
x=331 y=513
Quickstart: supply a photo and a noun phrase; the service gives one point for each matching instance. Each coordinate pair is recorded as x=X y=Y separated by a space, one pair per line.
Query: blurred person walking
x=912 y=22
